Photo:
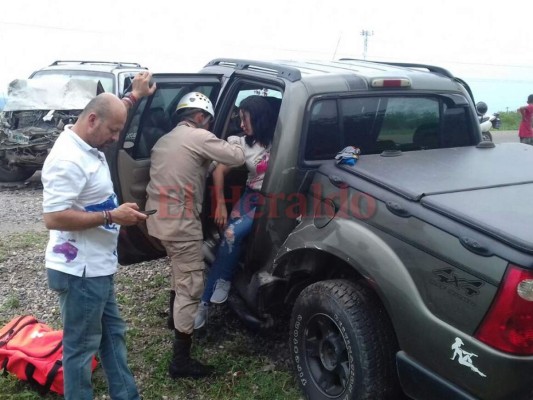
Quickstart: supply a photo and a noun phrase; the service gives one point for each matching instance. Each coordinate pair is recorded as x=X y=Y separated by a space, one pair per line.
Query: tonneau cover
x=505 y=213
x=489 y=189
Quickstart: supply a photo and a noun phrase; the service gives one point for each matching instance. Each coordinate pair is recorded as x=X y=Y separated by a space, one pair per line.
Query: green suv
x=408 y=272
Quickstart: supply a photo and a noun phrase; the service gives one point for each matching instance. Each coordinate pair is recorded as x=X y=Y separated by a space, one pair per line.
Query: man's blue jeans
x=229 y=251
x=92 y=324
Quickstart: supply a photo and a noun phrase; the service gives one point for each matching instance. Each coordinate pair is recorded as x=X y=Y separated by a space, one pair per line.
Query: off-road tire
x=342 y=343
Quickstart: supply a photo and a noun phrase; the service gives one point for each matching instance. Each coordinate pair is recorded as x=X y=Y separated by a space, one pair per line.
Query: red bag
x=33 y=352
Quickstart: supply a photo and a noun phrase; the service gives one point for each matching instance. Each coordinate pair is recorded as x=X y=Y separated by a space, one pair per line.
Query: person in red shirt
x=525 y=132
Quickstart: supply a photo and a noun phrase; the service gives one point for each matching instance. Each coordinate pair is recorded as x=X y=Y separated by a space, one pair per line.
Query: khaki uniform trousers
x=187 y=280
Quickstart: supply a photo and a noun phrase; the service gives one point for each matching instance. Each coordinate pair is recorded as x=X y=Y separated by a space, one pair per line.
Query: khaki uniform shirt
x=179 y=164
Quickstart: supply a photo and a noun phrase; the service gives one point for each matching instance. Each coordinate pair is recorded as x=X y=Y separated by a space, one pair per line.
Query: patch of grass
x=14 y=389
x=244 y=368
x=240 y=372
x=17 y=242
x=239 y=375
x=12 y=302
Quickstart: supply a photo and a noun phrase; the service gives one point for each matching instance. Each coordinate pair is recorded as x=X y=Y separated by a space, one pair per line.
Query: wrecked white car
x=34 y=115
x=38 y=108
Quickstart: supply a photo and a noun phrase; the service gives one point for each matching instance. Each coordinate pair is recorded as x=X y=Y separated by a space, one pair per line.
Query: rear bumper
x=420 y=383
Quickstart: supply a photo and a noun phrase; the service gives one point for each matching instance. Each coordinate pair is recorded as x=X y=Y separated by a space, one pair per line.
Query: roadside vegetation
x=248 y=365
x=510 y=120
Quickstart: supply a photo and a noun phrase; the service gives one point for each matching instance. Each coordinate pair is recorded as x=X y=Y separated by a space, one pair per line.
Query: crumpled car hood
x=49 y=94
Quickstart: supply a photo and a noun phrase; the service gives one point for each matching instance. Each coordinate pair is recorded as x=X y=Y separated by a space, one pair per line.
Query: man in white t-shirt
x=81 y=211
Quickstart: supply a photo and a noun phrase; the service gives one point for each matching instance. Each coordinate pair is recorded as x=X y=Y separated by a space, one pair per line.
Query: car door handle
x=475 y=247
x=397 y=209
x=338 y=181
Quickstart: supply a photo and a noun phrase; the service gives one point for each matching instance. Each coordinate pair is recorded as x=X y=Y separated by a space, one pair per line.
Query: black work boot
x=182 y=365
x=170 y=320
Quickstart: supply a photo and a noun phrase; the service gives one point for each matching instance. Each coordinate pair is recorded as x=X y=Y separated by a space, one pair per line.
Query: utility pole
x=365 y=35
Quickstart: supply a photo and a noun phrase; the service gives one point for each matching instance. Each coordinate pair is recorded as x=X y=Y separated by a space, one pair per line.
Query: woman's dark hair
x=262 y=119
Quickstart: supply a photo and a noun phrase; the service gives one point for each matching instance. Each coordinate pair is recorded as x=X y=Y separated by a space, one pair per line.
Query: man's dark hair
x=262 y=119
x=530 y=98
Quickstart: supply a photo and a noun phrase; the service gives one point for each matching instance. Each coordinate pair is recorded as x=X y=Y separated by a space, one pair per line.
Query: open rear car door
x=129 y=159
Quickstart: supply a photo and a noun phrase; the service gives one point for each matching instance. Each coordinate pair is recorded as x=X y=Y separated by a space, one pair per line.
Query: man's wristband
x=109 y=218
x=130 y=99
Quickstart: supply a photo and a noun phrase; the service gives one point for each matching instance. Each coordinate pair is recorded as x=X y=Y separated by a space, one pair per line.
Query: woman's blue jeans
x=92 y=324
x=230 y=248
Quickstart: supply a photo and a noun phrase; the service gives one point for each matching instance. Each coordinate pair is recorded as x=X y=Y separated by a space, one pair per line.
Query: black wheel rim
x=327 y=355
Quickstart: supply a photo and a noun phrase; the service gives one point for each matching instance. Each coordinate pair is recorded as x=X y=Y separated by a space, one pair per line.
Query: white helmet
x=196 y=100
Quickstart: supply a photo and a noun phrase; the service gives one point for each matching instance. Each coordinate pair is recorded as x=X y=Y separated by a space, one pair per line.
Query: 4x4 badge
x=468 y=286
x=464 y=357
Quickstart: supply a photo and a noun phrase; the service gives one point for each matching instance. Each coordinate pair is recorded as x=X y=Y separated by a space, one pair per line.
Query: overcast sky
x=489 y=46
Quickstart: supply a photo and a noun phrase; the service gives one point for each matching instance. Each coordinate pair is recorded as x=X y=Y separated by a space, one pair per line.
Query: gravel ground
x=21 y=206
x=22 y=274
x=23 y=285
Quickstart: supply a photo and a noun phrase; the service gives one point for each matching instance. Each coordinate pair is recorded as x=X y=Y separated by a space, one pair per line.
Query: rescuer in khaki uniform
x=179 y=165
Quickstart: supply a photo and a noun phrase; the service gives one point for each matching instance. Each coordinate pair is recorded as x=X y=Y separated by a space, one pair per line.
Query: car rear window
x=379 y=123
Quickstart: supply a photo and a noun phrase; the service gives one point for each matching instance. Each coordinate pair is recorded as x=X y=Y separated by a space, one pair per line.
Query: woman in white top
x=258 y=123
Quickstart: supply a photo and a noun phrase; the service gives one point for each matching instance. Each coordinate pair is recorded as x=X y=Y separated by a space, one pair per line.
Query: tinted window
x=155 y=117
x=375 y=124
x=324 y=137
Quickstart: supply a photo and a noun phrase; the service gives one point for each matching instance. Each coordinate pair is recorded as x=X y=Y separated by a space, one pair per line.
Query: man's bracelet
x=131 y=99
x=106 y=220
x=109 y=218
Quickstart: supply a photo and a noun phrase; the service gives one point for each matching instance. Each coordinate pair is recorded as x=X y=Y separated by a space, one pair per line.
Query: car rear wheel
x=342 y=343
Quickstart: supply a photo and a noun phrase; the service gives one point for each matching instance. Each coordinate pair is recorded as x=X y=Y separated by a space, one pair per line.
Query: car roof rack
x=282 y=71
x=117 y=63
x=430 y=68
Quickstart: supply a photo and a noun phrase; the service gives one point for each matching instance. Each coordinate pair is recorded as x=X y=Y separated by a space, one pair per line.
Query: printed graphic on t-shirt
x=67 y=249
x=109 y=204
x=261 y=166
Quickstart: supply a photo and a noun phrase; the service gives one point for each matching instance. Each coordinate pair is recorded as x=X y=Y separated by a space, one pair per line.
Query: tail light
x=388 y=83
x=508 y=325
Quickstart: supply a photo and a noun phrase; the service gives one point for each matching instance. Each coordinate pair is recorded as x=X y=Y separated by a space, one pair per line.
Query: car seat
x=426 y=136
